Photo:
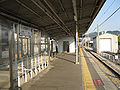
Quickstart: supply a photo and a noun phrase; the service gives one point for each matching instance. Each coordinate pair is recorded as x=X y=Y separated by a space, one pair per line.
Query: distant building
x=107 y=42
x=66 y=44
x=87 y=42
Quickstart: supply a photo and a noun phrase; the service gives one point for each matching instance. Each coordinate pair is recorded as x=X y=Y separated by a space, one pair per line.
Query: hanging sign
x=25 y=31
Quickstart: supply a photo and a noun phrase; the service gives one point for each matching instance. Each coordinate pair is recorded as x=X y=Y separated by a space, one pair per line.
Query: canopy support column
x=77 y=45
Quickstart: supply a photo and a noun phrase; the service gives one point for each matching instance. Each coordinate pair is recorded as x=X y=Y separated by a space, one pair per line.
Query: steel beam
x=63 y=9
x=95 y=11
x=38 y=15
x=81 y=21
x=16 y=18
x=58 y=34
x=40 y=5
x=46 y=1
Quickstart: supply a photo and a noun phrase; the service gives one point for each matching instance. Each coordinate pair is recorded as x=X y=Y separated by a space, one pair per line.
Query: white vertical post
x=42 y=63
x=25 y=75
x=39 y=63
x=98 y=43
x=77 y=48
x=31 y=66
x=45 y=62
x=36 y=65
x=18 y=79
x=109 y=56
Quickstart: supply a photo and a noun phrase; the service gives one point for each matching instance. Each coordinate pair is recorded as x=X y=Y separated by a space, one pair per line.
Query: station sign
x=25 y=31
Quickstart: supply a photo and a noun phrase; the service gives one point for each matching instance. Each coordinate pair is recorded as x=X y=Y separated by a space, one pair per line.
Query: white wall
x=54 y=46
x=71 y=44
x=105 y=44
x=114 y=42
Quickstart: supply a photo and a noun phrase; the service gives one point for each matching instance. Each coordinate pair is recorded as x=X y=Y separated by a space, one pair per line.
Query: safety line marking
x=98 y=82
x=86 y=76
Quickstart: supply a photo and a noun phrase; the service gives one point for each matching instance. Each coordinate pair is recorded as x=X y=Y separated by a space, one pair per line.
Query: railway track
x=110 y=71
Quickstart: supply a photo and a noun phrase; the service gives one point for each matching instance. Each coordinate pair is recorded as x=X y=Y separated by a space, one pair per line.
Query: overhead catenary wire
x=106 y=10
x=104 y=13
x=108 y=18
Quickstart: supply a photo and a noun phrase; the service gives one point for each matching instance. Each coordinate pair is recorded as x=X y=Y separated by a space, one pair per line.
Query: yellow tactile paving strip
x=86 y=76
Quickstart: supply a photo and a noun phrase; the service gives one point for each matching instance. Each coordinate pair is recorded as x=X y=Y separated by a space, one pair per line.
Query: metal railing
x=27 y=68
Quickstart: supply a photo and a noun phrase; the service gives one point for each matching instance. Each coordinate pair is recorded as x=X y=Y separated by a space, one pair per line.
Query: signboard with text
x=25 y=31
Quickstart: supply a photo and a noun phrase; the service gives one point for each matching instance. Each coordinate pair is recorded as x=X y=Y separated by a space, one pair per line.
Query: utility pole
x=98 y=41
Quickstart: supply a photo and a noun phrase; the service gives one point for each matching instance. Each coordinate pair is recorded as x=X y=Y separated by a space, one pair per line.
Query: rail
x=110 y=65
x=111 y=56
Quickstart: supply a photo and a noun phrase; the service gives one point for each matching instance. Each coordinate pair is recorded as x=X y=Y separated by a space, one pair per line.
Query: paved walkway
x=62 y=75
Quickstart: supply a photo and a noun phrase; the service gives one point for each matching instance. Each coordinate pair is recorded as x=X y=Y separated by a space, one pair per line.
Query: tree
x=118 y=39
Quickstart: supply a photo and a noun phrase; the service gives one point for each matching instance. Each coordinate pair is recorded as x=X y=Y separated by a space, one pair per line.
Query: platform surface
x=64 y=74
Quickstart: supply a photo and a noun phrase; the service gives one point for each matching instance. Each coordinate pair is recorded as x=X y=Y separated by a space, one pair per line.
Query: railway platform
x=32 y=31
x=64 y=74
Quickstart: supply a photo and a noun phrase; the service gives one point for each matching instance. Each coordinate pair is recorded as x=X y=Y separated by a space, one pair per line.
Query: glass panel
x=36 y=49
x=29 y=47
x=4 y=53
x=24 y=46
x=5 y=26
x=36 y=45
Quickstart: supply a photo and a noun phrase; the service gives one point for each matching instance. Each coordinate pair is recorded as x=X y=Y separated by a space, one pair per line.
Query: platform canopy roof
x=56 y=17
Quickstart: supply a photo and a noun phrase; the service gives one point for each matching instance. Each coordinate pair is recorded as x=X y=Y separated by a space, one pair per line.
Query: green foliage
x=118 y=39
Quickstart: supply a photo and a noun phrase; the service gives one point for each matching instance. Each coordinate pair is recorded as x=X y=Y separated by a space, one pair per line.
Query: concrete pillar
x=11 y=48
x=98 y=43
x=49 y=49
x=77 y=46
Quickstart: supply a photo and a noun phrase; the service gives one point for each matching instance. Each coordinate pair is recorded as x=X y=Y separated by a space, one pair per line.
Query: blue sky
x=113 y=23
